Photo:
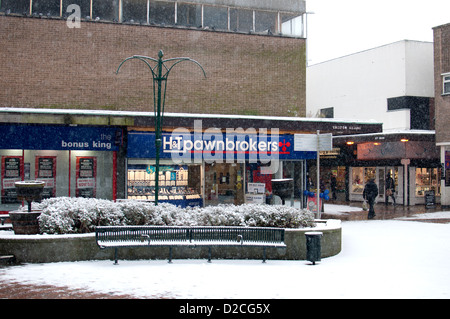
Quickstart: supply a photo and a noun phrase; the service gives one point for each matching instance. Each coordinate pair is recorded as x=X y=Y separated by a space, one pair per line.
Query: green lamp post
x=160 y=72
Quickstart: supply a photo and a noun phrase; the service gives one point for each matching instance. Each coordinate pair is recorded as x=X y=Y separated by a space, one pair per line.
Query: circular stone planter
x=57 y=248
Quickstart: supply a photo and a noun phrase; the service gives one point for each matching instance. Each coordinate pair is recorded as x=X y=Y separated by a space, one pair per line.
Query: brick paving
x=15 y=290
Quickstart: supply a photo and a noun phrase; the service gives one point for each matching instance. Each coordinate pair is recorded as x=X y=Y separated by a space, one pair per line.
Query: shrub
x=63 y=215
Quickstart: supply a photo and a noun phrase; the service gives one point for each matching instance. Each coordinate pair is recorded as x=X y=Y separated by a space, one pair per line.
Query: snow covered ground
x=379 y=259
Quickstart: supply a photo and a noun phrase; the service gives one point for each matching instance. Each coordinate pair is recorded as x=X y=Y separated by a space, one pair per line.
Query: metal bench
x=170 y=236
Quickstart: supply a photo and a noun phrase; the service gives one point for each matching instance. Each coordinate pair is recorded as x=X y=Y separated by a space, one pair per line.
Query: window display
x=427 y=179
x=179 y=184
x=360 y=176
x=357 y=180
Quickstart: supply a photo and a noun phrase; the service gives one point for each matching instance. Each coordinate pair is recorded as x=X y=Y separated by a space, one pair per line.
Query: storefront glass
x=234 y=168
x=71 y=160
x=178 y=184
x=224 y=183
x=65 y=173
x=427 y=179
x=358 y=180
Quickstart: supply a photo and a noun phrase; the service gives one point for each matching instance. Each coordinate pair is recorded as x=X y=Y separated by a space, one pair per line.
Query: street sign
x=308 y=142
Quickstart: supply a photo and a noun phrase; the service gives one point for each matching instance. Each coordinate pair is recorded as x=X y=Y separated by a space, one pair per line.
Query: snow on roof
x=391 y=132
x=186 y=115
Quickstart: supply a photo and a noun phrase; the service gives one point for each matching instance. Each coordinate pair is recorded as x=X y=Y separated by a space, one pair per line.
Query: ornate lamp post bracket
x=160 y=72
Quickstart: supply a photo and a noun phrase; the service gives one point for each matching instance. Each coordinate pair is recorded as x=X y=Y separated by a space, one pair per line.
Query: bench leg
x=209 y=254
x=170 y=254
x=116 y=262
x=264 y=255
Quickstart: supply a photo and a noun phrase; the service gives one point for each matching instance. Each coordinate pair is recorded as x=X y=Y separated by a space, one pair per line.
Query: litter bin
x=313 y=246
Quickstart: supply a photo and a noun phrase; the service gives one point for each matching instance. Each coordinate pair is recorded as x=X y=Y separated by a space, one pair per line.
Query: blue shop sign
x=215 y=147
x=53 y=137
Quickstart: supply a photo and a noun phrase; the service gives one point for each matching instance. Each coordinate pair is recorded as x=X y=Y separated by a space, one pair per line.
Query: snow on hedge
x=64 y=215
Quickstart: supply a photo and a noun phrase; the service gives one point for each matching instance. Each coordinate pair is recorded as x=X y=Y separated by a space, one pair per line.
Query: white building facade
x=394 y=85
x=358 y=86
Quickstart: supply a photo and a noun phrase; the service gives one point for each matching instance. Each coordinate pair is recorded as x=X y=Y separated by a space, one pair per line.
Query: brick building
x=67 y=118
x=254 y=59
x=442 y=102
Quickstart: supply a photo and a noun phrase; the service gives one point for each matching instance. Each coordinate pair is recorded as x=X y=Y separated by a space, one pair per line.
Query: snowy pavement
x=379 y=259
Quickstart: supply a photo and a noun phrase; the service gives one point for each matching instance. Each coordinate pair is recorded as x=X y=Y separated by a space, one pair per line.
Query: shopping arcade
x=227 y=180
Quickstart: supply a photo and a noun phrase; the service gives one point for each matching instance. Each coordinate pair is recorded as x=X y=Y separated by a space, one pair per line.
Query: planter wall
x=58 y=248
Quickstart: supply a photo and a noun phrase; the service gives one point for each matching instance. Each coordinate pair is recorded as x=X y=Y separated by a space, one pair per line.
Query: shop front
x=74 y=161
x=411 y=160
x=211 y=167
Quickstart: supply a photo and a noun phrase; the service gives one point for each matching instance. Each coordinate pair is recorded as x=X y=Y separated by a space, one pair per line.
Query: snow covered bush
x=63 y=215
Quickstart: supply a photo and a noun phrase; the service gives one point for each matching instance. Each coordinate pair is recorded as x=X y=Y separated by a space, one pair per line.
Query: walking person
x=370 y=193
x=333 y=184
x=390 y=189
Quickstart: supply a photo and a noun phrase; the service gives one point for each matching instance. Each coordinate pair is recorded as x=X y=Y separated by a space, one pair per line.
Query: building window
x=327 y=113
x=46 y=7
x=292 y=24
x=134 y=11
x=446 y=84
x=266 y=22
x=85 y=7
x=15 y=6
x=241 y=20
x=189 y=15
x=105 y=10
x=215 y=18
x=162 y=13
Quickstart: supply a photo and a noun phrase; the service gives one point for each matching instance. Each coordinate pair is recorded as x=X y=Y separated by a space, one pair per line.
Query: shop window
x=105 y=10
x=241 y=20
x=265 y=21
x=134 y=11
x=178 y=184
x=162 y=12
x=85 y=7
x=46 y=7
x=189 y=15
x=446 y=84
x=427 y=179
x=15 y=6
x=215 y=17
x=360 y=176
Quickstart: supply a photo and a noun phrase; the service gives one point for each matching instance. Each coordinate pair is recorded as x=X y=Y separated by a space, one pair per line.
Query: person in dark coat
x=369 y=194
x=333 y=184
x=390 y=189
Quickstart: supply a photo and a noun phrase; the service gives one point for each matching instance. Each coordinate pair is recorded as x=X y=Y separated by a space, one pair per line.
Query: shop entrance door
x=224 y=183
x=382 y=175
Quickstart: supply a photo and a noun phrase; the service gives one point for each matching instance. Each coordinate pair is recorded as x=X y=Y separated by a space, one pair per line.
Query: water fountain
x=26 y=222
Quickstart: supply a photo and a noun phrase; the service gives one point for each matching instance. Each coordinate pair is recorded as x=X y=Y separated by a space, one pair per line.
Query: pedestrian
x=333 y=183
x=370 y=193
x=309 y=184
x=390 y=189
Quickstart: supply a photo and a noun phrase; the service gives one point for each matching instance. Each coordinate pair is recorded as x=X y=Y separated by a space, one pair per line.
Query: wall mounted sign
x=214 y=147
x=53 y=137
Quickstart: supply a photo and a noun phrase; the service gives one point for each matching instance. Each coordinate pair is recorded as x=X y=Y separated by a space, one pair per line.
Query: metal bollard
x=313 y=246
